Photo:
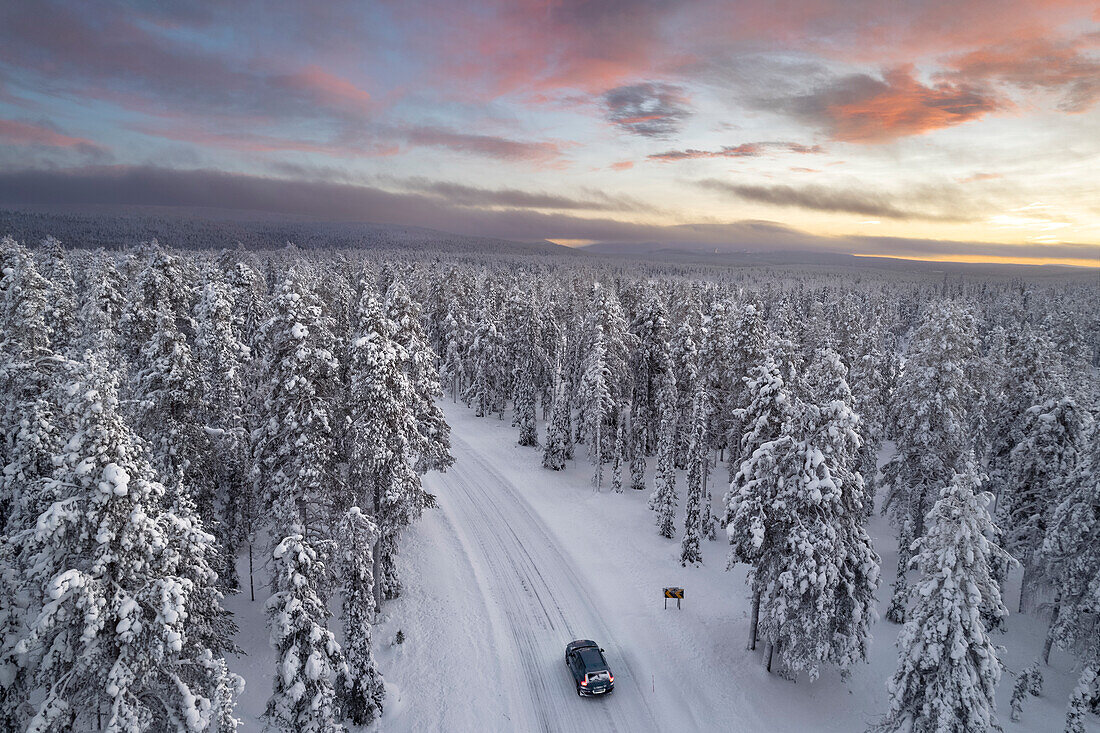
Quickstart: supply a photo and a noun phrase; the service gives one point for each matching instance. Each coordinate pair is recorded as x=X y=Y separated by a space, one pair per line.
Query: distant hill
x=93 y=227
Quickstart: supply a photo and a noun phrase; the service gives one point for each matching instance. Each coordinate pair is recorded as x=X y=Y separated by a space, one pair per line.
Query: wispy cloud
x=927 y=204
x=744 y=150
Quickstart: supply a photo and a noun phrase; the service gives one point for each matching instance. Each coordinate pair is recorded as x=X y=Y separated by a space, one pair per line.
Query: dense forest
x=165 y=412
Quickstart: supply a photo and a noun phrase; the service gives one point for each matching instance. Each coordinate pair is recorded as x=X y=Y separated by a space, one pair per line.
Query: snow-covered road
x=539 y=603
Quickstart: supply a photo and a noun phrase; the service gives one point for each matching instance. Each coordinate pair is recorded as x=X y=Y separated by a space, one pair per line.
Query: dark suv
x=590 y=671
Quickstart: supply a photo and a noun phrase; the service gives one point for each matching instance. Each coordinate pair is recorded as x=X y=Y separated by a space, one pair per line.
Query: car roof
x=592 y=659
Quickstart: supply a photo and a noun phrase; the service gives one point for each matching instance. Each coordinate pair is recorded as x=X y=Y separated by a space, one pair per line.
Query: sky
x=933 y=129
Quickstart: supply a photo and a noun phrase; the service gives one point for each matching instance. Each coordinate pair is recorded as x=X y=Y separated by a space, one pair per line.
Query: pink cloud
x=328 y=88
x=22 y=133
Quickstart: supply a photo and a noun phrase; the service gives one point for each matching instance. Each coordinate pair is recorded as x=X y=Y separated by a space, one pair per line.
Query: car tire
x=579 y=691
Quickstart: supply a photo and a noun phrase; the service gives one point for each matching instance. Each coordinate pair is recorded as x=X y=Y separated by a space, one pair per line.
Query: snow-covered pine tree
x=128 y=623
x=222 y=356
x=382 y=431
x=663 y=499
x=295 y=445
x=649 y=361
x=947 y=665
x=169 y=410
x=597 y=404
x=101 y=309
x=486 y=361
x=1080 y=700
x=296 y=462
x=1047 y=452
x=767 y=408
x=684 y=355
x=694 y=529
x=61 y=313
x=832 y=434
x=559 y=443
x=157 y=281
x=433 y=448
x=452 y=372
x=362 y=690
x=528 y=364
x=931 y=418
x=1071 y=551
x=310 y=663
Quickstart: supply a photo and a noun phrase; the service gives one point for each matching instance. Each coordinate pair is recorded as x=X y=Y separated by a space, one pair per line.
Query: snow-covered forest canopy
x=170 y=416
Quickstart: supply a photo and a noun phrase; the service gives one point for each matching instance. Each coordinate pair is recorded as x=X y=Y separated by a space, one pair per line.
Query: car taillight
x=584 y=682
x=612 y=678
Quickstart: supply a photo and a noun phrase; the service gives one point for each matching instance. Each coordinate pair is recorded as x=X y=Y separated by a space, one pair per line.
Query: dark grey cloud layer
x=150 y=186
x=649 y=109
x=929 y=204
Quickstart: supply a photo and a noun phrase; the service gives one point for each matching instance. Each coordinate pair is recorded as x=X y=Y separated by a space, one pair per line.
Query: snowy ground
x=517 y=561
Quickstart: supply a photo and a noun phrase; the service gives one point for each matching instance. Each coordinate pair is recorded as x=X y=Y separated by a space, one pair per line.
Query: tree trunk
x=251 y=583
x=377 y=564
x=1025 y=581
x=1049 y=641
x=769 y=650
x=754 y=622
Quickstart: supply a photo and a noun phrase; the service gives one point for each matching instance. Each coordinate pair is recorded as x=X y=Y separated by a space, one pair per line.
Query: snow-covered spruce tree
x=833 y=436
x=169 y=410
x=795 y=515
x=1071 y=551
x=768 y=407
x=381 y=433
x=694 y=529
x=524 y=401
x=559 y=443
x=452 y=372
x=295 y=445
x=222 y=356
x=361 y=691
x=61 y=309
x=296 y=456
x=1029 y=682
x=684 y=355
x=597 y=405
x=663 y=499
x=433 y=448
x=128 y=626
x=310 y=662
x=931 y=418
x=1080 y=700
x=768 y=410
x=486 y=362
x=28 y=436
x=947 y=665
x=649 y=361
x=101 y=309
x=1046 y=454
x=157 y=281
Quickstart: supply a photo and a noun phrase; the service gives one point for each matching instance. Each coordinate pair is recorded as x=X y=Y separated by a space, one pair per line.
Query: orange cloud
x=622 y=165
x=862 y=109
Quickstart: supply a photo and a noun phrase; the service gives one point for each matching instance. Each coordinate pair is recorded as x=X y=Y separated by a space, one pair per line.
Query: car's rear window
x=599 y=677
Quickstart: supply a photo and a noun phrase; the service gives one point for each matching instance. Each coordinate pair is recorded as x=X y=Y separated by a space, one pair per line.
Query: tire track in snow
x=542 y=600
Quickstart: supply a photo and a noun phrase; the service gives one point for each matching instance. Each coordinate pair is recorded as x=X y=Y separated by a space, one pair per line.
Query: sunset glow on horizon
x=965 y=132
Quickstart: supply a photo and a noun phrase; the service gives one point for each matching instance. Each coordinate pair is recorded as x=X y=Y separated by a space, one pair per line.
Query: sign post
x=677 y=593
